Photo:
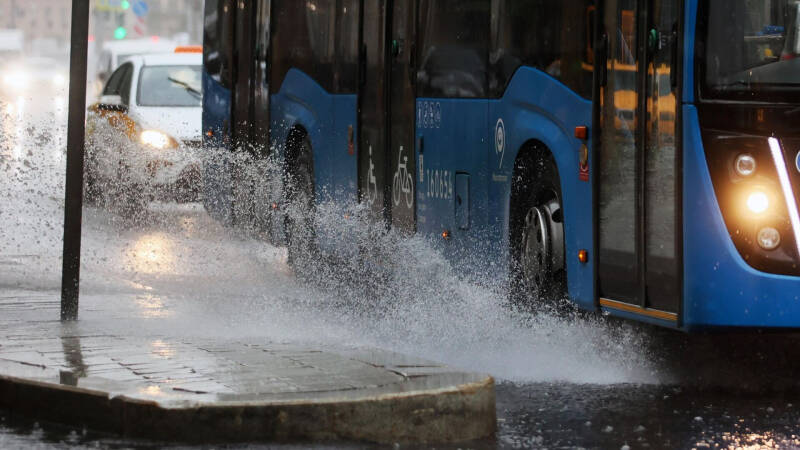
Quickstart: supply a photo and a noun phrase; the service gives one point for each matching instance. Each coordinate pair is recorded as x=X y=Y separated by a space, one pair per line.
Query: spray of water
x=169 y=269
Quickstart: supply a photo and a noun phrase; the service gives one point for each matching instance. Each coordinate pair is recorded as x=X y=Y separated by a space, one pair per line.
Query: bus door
x=386 y=111
x=259 y=115
x=264 y=176
x=638 y=182
x=218 y=44
x=251 y=94
x=249 y=180
x=241 y=184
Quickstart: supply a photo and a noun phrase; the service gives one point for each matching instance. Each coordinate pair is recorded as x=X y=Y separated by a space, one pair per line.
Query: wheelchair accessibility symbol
x=500 y=140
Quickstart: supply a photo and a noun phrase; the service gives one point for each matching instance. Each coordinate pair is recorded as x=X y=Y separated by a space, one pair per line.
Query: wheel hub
x=542 y=244
x=536 y=247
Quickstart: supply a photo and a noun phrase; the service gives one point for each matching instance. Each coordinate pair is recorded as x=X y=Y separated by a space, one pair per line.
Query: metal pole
x=73 y=199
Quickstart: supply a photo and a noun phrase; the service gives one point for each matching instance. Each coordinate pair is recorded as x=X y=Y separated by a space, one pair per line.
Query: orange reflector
x=582 y=132
x=274 y=205
x=210 y=133
x=189 y=49
x=446 y=234
x=583 y=256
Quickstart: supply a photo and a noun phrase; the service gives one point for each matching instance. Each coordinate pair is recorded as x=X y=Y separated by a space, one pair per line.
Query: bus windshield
x=752 y=50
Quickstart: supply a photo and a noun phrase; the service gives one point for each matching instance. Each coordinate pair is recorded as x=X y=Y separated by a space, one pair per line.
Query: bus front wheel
x=538 y=270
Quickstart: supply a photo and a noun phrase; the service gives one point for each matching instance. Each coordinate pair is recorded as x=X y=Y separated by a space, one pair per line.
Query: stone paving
x=175 y=373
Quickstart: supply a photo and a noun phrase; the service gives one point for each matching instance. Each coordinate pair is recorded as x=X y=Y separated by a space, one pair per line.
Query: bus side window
x=218 y=40
x=453 y=56
x=554 y=37
x=303 y=39
x=345 y=72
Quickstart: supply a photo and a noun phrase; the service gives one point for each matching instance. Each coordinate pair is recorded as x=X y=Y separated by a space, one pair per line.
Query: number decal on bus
x=429 y=114
x=440 y=184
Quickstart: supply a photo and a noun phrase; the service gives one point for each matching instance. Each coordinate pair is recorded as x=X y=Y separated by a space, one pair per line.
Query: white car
x=116 y=52
x=144 y=135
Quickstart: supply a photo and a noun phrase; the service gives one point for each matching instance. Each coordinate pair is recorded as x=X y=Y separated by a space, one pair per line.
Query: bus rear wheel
x=538 y=271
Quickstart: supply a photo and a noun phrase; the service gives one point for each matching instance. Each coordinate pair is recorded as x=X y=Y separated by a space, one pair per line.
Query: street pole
x=73 y=197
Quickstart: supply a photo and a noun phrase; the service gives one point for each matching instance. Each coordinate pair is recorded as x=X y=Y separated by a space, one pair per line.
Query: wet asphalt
x=547 y=415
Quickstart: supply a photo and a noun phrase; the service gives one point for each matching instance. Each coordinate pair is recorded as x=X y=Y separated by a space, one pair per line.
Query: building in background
x=46 y=23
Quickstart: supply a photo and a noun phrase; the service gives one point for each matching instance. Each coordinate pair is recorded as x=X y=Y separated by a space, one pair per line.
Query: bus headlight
x=745 y=165
x=768 y=238
x=757 y=202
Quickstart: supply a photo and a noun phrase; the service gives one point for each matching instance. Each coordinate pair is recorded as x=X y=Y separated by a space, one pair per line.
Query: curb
x=462 y=412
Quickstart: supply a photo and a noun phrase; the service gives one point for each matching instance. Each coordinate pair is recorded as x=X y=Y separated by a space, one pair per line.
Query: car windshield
x=752 y=50
x=169 y=86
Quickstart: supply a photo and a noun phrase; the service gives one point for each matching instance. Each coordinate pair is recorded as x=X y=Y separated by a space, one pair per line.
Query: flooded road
x=567 y=380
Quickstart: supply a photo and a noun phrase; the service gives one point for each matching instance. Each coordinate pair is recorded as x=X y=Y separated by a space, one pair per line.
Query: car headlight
x=158 y=140
x=16 y=80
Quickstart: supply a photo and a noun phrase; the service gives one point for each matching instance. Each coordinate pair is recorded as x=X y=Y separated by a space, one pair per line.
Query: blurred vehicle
x=143 y=136
x=12 y=42
x=33 y=78
x=115 y=53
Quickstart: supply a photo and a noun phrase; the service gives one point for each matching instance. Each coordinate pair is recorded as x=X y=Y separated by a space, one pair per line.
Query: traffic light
x=125 y=4
x=120 y=33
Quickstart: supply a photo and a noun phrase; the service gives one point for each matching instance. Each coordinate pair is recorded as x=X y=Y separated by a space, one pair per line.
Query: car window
x=114 y=85
x=170 y=86
x=125 y=85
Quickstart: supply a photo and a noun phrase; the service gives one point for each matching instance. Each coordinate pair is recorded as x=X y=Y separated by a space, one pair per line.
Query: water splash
x=173 y=271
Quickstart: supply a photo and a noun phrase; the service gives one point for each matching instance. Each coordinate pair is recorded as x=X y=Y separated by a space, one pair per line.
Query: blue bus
x=640 y=157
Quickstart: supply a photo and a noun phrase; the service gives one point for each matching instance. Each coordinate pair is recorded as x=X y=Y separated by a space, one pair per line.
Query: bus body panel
x=217 y=193
x=535 y=106
x=452 y=191
x=302 y=102
x=721 y=289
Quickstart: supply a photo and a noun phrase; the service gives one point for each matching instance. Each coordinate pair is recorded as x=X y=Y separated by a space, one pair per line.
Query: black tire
x=538 y=266
x=300 y=205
